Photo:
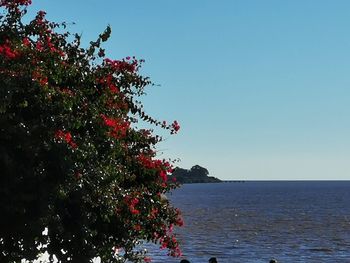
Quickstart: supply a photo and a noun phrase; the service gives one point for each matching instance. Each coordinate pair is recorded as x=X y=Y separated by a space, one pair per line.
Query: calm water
x=257 y=221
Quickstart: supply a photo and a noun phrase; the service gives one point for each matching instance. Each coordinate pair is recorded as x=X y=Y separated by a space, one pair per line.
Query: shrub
x=72 y=159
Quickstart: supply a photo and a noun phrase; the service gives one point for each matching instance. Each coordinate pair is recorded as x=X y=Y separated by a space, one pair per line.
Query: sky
x=261 y=89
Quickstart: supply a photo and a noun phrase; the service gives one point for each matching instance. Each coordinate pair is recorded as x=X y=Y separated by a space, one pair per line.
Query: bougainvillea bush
x=78 y=179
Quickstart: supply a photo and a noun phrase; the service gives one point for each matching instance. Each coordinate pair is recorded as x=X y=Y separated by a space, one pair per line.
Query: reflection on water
x=257 y=221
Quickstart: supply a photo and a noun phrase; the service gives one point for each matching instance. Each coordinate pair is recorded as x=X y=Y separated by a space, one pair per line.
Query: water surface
x=256 y=221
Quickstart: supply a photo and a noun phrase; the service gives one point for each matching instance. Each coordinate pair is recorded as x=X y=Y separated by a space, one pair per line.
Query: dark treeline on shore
x=196 y=174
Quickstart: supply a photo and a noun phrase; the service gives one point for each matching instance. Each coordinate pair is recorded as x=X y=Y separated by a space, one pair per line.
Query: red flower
x=179 y=221
x=108 y=80
x=134 y=211
x=163 y=175
x=37 y=76
x=118 y=65
x=118 y=126
x=39 y=46
x=6 y=50
x=153 y=213
x=137 y=227
x=175 y=125
x=41 y=14
x=132 y=202
x=26 y=42
x=67 y=137
x=113 y=88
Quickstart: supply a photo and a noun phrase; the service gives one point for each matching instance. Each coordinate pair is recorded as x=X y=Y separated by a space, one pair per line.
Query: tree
x=199 y=171
x=72 y=159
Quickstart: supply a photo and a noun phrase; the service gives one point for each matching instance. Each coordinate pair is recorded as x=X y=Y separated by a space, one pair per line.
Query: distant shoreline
x=233 y=181
x=216 y=182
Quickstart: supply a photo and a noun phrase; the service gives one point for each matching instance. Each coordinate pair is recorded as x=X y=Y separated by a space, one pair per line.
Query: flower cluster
x=162 y=167
x=118 y=127
x=40 y=78
x=132 y=202
x=108 y=81
x=11 y=3
x=121 y=65
x=7 y=51
x=170 y=240
x=47 y=44
x=67 y=137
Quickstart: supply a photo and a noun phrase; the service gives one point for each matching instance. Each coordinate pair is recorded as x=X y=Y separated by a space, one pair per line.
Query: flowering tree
x=72 y=160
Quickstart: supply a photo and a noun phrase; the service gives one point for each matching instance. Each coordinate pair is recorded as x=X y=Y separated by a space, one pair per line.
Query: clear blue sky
x=261 y=88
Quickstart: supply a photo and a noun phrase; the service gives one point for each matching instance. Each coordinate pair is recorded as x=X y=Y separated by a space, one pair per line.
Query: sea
x=256 y=221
